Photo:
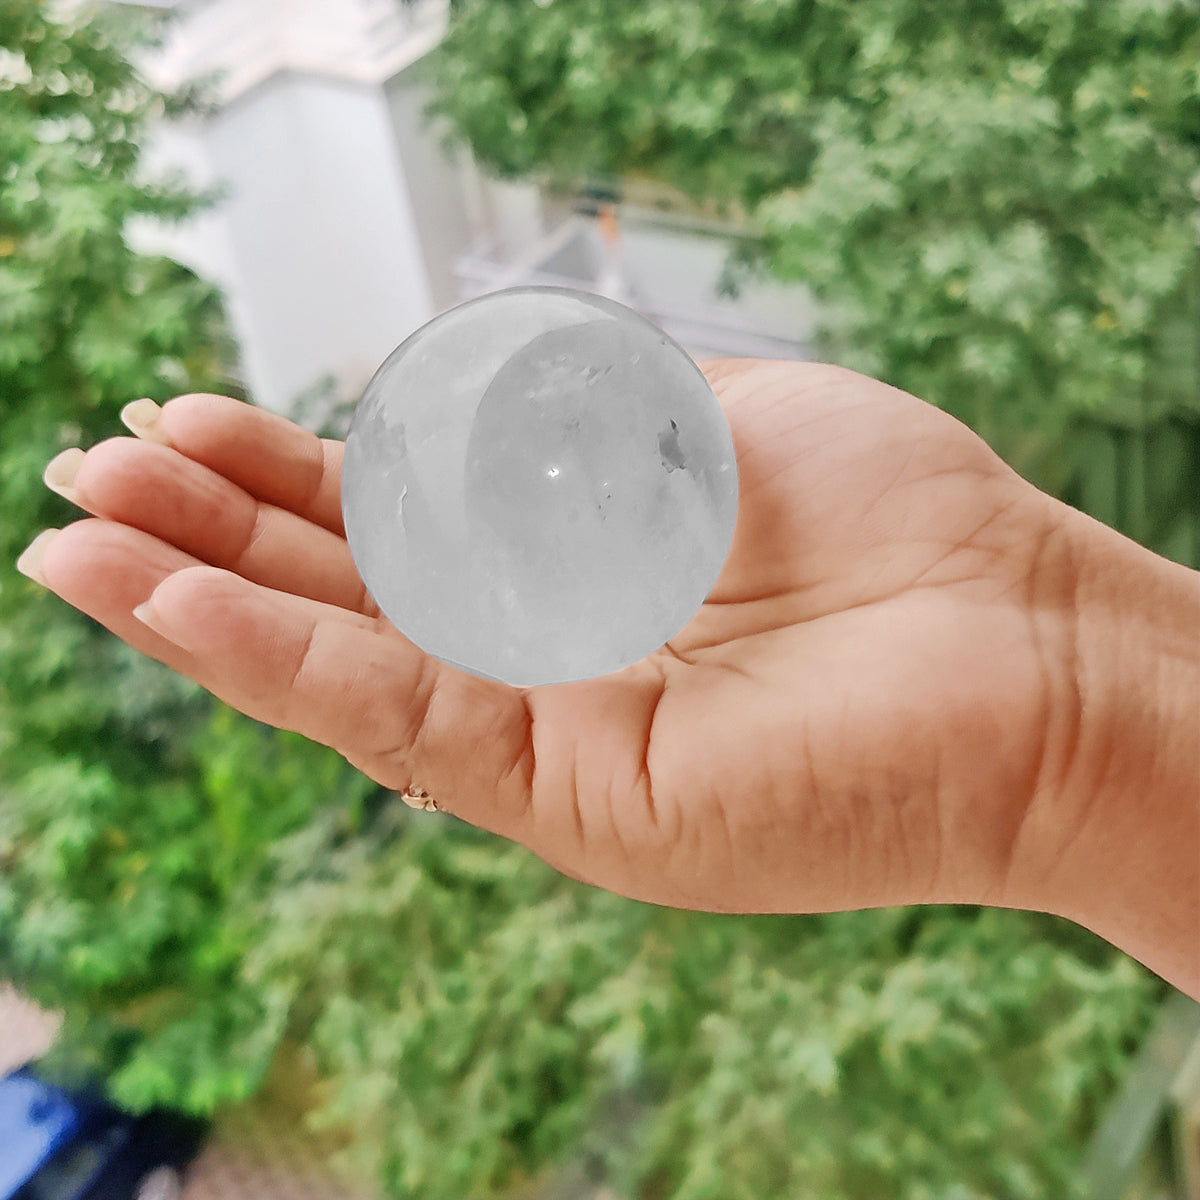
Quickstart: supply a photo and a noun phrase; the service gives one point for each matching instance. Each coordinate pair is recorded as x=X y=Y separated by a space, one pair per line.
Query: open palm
x=856 y=716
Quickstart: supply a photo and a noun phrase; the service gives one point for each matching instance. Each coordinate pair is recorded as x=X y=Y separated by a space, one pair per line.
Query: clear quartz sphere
x=539 y=487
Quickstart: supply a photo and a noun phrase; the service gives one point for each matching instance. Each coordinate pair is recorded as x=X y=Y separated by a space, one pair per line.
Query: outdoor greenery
x=117 y=862
x=995 y=203
x=202 y=895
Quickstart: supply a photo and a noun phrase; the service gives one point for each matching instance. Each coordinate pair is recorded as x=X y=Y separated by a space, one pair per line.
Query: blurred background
x=994 y=204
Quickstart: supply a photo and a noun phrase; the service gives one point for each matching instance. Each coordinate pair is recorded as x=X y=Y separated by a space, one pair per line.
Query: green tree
x=994 y=204
x=486 y=1026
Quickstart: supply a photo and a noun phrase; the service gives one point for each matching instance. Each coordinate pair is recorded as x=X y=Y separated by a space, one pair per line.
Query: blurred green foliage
x=126 y=844
x=479 y=1020
x=196 y=891
x=995 y=204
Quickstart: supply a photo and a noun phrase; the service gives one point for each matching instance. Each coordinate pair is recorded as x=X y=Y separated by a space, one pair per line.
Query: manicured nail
x=149 y=616
x=141 y=417
x=30 y=562
x=60 y=473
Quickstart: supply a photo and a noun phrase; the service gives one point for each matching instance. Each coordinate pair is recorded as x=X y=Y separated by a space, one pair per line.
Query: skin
x=918 y=679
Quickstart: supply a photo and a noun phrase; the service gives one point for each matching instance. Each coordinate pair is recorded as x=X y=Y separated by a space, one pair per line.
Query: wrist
x=1111 y=838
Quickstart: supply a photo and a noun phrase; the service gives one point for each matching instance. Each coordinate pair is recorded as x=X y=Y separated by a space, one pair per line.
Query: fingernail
x=149 y=616
x=60 y=473
x=141 y=417
x=30 y=562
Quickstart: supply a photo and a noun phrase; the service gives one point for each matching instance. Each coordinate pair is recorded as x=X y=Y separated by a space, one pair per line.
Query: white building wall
x=316 y=244
x=445 y=196
x=330 y=271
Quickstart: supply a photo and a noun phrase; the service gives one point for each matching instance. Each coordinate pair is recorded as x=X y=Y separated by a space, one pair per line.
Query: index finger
x=265 y=454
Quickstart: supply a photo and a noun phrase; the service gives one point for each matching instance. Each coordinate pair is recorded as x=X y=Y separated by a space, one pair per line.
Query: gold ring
x=419 y=798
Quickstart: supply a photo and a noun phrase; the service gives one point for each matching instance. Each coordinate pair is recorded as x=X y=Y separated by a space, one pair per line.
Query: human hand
x=880 y=690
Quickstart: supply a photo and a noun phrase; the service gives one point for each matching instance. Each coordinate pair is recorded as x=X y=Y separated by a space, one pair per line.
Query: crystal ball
x=539 y=487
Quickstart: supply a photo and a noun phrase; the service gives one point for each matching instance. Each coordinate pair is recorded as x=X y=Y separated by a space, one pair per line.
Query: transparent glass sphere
x=539 y=487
